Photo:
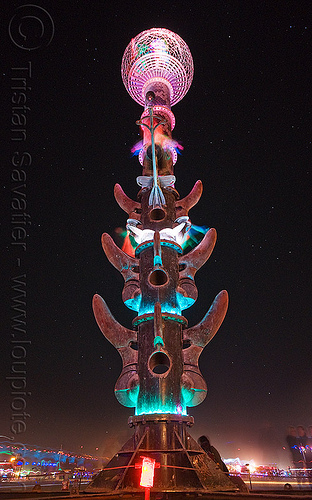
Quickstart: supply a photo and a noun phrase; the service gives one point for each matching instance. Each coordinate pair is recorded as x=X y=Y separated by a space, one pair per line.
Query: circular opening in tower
x=159 y=363
x=157 y=214
x=150 y=96
x=158 y=277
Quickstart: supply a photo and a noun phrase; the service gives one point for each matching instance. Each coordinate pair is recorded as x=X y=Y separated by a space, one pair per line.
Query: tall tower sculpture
x=160 y=376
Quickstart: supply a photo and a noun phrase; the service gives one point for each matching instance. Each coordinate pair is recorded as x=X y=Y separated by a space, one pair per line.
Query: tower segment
x=160 y=378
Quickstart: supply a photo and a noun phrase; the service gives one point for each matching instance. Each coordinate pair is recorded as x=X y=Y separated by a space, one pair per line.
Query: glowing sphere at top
x=157 y=55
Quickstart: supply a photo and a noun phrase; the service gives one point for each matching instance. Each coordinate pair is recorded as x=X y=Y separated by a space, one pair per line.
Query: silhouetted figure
x=268 y=442
x=292 y=442
x=309 y=455
x=296 y=456
x=302 y=436
x=213 y=453
x=302 y=441
x=310 y=435
x=302 y=446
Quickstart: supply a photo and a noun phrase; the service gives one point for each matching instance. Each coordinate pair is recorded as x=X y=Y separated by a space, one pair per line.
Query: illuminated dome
x=157 y=55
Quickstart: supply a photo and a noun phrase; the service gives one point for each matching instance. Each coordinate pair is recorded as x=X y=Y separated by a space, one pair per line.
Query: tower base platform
x=181 y=464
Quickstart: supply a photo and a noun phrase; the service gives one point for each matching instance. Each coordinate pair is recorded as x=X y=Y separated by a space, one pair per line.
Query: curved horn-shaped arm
x=124 y=201
x=119 y=259
x=117 y=334
x=191 y=199
x=197 y=257
x=204 y=331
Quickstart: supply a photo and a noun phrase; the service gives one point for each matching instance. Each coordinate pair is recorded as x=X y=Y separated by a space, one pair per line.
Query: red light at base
x=147 y=475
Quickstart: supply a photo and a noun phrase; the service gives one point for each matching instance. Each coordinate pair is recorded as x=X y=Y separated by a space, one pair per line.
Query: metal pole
x=147 y=495
x=150 y=110
x=248 y=469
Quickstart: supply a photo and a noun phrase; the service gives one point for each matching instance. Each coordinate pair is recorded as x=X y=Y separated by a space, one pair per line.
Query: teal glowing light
x=163 y=243
x=188 y=393
x=158 y=341
x=194 y=236
x=142 y=49
x=165 y=308
x=184 y=302
x=157 y=260
x=134 y=303
x=150 y=404
x=131 y=393
x=173 y=410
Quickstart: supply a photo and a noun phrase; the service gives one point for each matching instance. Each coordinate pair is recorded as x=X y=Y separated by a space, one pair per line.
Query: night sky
x=245 y=125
